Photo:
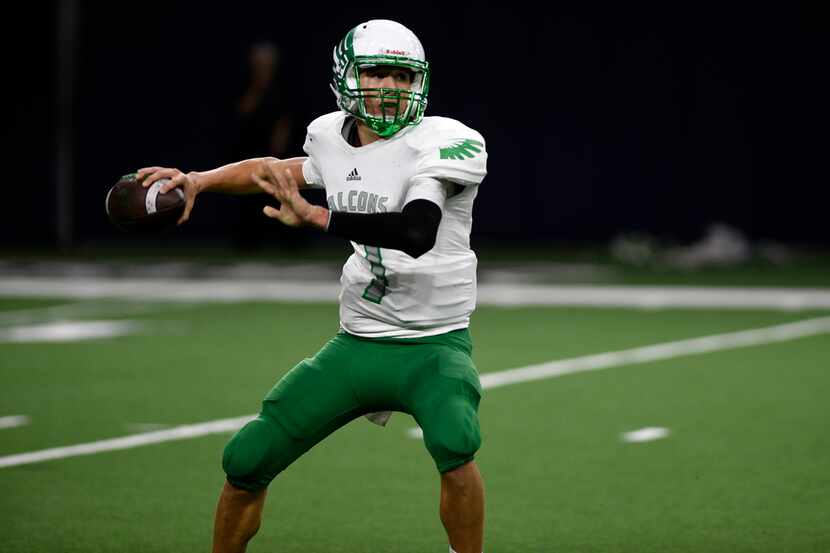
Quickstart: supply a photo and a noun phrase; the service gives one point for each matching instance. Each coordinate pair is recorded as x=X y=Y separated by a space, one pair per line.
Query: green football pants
x=433 y=379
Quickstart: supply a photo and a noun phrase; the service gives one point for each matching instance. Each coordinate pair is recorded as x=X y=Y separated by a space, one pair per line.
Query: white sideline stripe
x=83 y=309
x=706 y=344
x=152 y=289
x=656 y=352
x=13 y=421
x=178 y=433
x=657 y=297
x=228 y=290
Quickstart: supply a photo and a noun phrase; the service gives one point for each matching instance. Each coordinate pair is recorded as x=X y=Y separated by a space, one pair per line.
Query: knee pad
x=248 y=457
x=454 y=438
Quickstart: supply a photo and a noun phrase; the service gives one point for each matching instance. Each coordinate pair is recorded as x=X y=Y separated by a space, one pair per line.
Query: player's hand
x=187 y=182
x=294 y=211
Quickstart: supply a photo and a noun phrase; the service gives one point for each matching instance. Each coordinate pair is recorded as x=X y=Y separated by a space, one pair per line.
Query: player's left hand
x=294 y=210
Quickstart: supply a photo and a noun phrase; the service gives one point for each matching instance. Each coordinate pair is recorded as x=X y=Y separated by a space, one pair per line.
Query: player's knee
x=452 y=446
x=246 y=457
x=460 y=478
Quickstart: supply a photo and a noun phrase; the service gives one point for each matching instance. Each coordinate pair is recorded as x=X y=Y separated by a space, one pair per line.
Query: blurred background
x=622 y=129
x=655 y=212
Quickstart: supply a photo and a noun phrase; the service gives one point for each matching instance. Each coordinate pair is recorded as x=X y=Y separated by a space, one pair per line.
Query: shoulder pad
x=449 y=150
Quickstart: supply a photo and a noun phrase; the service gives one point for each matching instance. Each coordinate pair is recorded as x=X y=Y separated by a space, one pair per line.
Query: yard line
x=656 y=352
x=13 y=421
x=136 y=440
x=667 y=350
x=139 y=427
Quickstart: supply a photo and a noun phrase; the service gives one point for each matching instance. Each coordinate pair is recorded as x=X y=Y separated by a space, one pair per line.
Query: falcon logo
x=354 y=175
x=461 y=148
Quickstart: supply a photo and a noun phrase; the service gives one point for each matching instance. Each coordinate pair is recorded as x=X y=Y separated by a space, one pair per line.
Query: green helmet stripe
x=351 y=98
x=345 y=49
x=350 y=44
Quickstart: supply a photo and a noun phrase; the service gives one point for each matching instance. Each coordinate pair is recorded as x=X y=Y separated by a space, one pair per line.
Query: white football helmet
x=374 y=43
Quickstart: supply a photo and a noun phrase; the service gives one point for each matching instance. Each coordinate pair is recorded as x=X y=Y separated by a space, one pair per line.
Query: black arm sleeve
x=411 y=231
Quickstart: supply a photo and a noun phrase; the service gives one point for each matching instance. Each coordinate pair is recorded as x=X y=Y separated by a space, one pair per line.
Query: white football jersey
x=385 y=292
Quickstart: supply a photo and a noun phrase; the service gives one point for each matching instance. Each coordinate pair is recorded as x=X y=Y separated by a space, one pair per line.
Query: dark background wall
x=599 y=120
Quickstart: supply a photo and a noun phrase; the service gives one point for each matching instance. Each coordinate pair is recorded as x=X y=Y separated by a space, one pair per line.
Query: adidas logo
x=354 y=175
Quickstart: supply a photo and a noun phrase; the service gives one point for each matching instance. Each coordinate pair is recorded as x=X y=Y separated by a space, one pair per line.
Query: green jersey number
x=377 y=288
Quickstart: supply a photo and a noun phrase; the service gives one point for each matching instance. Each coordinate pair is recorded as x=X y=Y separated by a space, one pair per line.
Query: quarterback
x=400 y=187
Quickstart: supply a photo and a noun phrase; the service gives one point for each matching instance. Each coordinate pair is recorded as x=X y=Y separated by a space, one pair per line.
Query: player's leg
x=444 y=401
x=239 y=510
x=237 y=520
x=287 y=426
x=462 y=508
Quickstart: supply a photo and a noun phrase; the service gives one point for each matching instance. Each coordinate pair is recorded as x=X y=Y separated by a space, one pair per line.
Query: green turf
x=745 y=468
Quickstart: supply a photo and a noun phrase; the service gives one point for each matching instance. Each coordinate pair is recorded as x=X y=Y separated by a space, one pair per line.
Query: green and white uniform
x=404 y=343
x=386 y=293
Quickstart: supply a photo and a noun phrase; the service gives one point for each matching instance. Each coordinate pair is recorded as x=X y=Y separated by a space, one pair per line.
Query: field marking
x=136 y=440
x=553 y=369
x=648 y=434
x=290 y=290
x=657 y=352
x=68 y=331
x=143 y=427
x=13 y=421
x=416 y=433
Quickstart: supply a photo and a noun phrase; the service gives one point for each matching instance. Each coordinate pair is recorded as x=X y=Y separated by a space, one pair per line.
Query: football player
x=400 y=187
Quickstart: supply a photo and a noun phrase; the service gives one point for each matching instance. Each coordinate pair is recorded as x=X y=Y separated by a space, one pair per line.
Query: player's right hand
x=187 y=181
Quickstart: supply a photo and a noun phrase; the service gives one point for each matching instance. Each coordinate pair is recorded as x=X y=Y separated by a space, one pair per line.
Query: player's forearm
x=236 y=178
x=412 y=231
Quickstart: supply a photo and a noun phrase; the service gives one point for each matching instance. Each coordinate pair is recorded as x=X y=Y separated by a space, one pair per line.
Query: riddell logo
x=354 y=175
x=396 y=52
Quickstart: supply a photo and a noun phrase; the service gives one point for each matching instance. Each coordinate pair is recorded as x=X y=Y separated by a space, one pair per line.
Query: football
x=133 y=208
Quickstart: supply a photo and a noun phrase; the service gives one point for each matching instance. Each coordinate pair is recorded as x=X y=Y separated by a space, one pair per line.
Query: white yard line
x=127 y=442
x=228 y=290
x=143 y=427
x=13 y=421
x=668 y=350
